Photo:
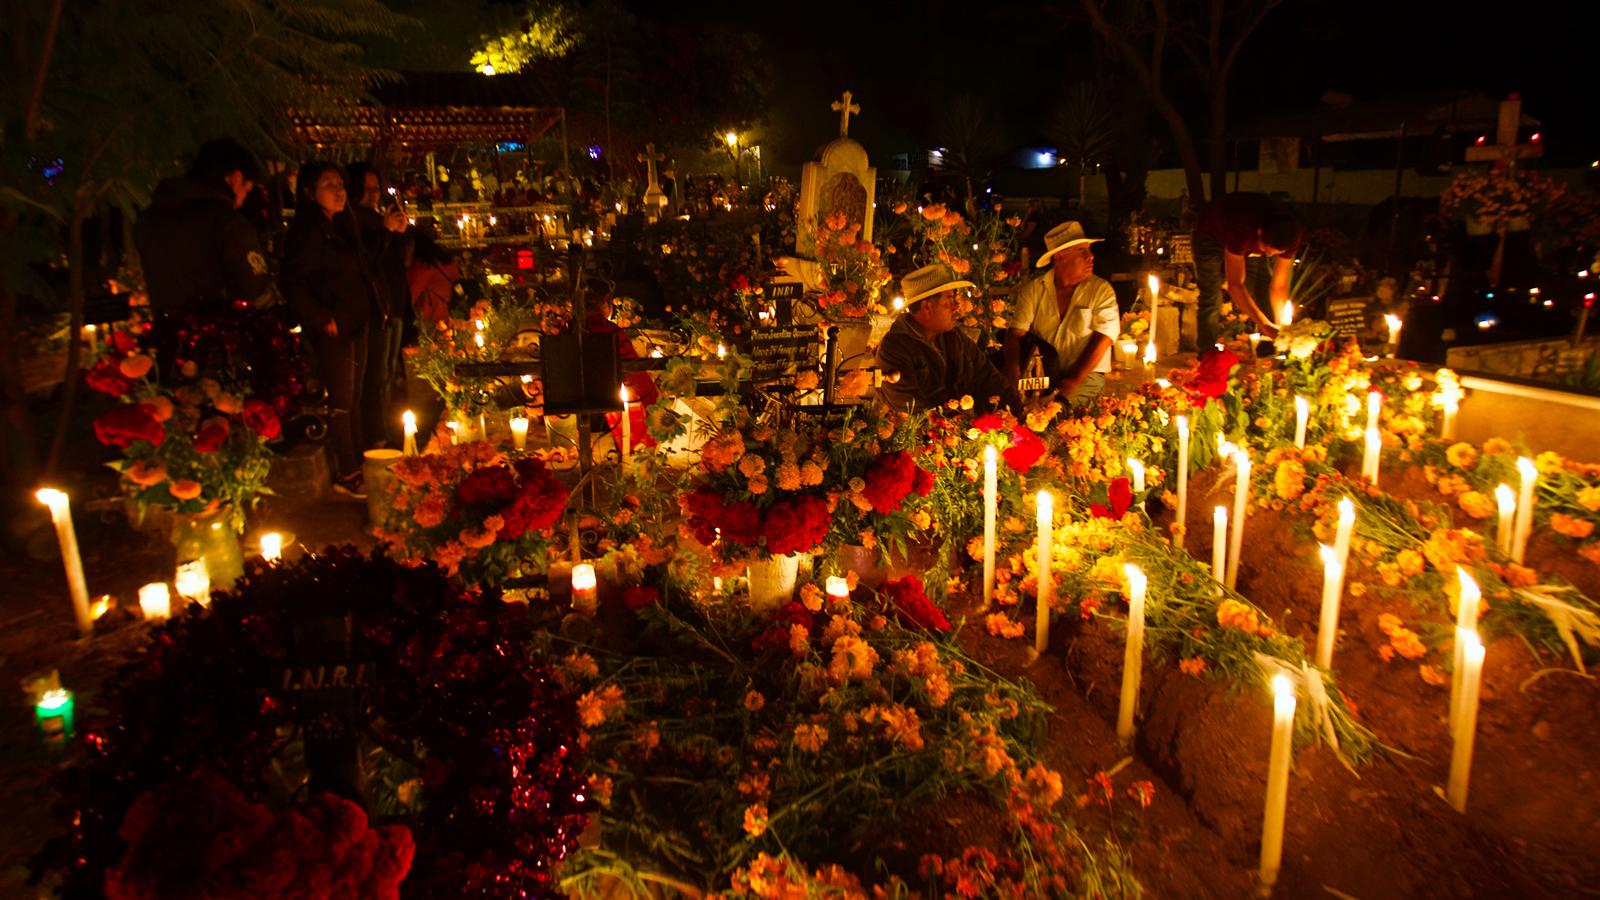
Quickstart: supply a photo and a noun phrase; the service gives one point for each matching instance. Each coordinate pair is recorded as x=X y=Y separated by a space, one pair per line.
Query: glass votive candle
x=155 y=601
x=193 y=582
x=585 y=589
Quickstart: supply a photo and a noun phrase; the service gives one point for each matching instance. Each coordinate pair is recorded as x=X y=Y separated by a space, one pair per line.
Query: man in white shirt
x=1072 y=310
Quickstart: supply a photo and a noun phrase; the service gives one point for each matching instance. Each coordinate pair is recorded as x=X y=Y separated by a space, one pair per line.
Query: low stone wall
x=1546 y=360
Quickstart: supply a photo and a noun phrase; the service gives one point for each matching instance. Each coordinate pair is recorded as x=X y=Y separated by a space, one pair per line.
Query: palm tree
x=1083 y=128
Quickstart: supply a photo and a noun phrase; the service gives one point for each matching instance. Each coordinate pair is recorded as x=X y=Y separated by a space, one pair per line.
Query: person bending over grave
x=1070 y=314
x=934 y=360
x=1231 y=228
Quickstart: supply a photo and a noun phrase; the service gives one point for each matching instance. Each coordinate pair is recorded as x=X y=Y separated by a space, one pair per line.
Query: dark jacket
x=196 y=249
x=326 y=275
x=936 y=371
x=387 y=252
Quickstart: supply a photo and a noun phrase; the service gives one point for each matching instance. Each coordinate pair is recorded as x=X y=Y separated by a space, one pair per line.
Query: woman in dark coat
x=328 y=282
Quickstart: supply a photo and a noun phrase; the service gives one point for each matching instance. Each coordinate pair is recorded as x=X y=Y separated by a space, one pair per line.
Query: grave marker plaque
x=781 y=352
x=1348 y=315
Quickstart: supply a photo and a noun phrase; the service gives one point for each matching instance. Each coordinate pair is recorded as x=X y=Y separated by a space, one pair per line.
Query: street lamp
x=732 y=138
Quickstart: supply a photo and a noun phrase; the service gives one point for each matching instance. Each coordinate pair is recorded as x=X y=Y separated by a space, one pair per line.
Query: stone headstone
x=839 y=180
x=1348 y=315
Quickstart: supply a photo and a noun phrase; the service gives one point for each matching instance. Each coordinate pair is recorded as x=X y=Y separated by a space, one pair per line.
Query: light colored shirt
x=1093 y=310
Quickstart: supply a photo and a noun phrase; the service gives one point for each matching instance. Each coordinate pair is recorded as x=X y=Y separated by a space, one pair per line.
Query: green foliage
x=542 y=31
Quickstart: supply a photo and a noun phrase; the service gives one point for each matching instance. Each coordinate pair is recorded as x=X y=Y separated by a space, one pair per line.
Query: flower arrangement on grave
x=1501 y=199
x=983 y=251
x=194 y=443
x=826 y=724
x=704 y=265
x=478 y=515
x=468 y=740
x=489 y=332
x=1573 y=220
x=853 y=272
x=873 y=472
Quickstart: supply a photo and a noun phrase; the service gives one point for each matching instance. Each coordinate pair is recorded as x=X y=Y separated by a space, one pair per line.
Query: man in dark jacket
x=935 y=362
x=196 y=249
x=386 y=241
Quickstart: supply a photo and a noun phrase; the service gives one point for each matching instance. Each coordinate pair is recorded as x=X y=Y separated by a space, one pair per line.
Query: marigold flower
x=1462 y=455
x=184 y=489
x=1477 y=504
x=1571 y=526
x=1192 y=666
x=754 y=701
x=755 y=819
x=1043 y=785
x=810 y=738
x=1002 y=625
x=1549 y=462
x=1589 y=498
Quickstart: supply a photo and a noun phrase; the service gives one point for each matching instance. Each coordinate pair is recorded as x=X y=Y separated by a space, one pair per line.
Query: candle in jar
x=519 y=432
x=585 y=589
x=67 y=537
x=155 y=601
x=1041 y=633
x=409 y=420
x=193 y=581
x=1283 y=704
x=838 y=589
x=54 y=713
x=1241 y=498
x=1468 y=596
x=1149 y=358
x=1133 y=654
x=1466 y=729
x=271 y=546
x=991 y=466
x=627 y=432
x=1129 y=353
x=1332 y=583
x=1183 y=470
x=1346 y=528
x=1219 y=544
x=1530 y=476
x=1302 y=415
x=1136 y=475
x=1506 y=500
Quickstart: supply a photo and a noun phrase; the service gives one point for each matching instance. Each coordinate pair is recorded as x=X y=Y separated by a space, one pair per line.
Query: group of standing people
x=343 y=274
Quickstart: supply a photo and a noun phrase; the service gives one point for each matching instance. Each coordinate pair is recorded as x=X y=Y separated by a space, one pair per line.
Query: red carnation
x=776 y=637
x=796 y=524
x=912 y=603
x=213 y=432
x=261 y=418
x=489 y=486
x=1211 y=380
x=1025 y=449
x=639 y=596
x=1120 y=494
x=539 y=501
x=988 y=422
x=106 y=378
x=922 y=482
x=740 y=523
x=123 y=342
x=889 y=478
x=122 y=425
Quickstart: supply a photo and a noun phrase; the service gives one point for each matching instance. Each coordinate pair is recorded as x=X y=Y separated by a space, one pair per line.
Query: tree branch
x=30 y=118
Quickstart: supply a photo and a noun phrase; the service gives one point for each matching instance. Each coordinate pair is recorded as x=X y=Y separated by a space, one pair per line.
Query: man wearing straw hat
x=1071 y=310
x=933 y=360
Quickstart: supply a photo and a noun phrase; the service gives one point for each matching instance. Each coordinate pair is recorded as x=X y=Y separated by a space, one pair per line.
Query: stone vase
x=772 y=581
x=377 y=480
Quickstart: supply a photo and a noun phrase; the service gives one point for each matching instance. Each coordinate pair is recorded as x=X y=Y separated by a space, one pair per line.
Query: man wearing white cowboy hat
x=1071 y=310
x=934 y=360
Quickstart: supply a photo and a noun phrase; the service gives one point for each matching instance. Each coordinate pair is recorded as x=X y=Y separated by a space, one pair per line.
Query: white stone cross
x=1505 y=150
x=845 y=108
x=650 y=157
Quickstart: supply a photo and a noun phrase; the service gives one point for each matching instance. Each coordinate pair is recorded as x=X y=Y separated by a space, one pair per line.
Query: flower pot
x=208 y=536
x=867 y=564
x=772 y=581
x=377 y=480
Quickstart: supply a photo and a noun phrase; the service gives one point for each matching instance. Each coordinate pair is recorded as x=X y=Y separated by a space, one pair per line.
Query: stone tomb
x=840 y=180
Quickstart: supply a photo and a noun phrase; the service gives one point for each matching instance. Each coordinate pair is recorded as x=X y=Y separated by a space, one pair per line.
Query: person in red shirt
x=1230 y=229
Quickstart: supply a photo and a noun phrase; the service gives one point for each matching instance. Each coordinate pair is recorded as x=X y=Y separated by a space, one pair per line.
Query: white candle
x=1530 y=476
x=271 y=547
x=1302 y=415
x=991 y=468
x=1507 y=501
x=1255 y=342
x=1183 y=470
x=67 y=537
x=1241 y=497
x=1154 y=283
x=519 y=432
x=1466 y=718
x=1149 y=358
x=1371 y=455
x=409 y=418
x=1136 y=474
x=1393 y=321
x=455 y=432
x=193 y=582
x=1133 y=654
x=1447 y=424
x=1219 y=544
x=585 y=590
x=627 y=432
x=483 y=427
x=1130 y=352
x=155 y=601
x=1283 y=704
x=1347 y=527
x=1286 y=316
x=838 y=588
x=1468 y=596
x=1332 y=583
x=1374 y=406
x=1041 y=632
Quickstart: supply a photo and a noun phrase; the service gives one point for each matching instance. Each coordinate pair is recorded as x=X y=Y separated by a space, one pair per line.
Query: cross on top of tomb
x=650 y=157
x=1505 y=150
x=845 y=109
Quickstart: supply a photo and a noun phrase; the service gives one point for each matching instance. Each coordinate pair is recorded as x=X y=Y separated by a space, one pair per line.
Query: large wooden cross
x=1505 y=150
x=845 y=108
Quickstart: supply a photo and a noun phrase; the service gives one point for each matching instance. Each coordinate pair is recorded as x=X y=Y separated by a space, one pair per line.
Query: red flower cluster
x=1211 y=381
x=1119 y=493
x=639 y=596
x=912 y=603
x=199 y=837
x=211 y=435
x=539 y=501
x=1026 y=447
x=792 y=525
x=107 y=378
x=776 y=636
x=891 y=477
x=123 y=424
x=261 y=418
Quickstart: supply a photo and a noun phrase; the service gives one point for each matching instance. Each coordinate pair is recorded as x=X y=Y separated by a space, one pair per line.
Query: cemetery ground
x=1375 y=829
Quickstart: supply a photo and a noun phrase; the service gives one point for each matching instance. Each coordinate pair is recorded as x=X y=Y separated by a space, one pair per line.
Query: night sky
x=905 y=60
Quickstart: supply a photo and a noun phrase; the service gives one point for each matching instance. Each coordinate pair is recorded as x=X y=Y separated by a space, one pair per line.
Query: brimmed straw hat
x=928 y=281
x=1067 y=234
